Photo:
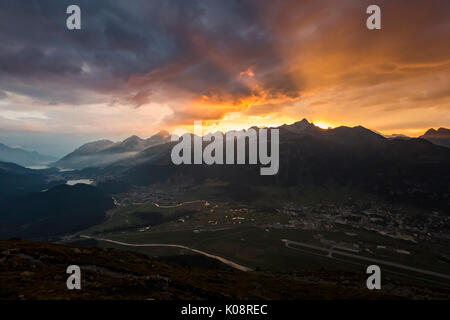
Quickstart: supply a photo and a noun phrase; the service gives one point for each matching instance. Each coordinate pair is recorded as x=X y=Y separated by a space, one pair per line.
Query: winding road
x=223 y=260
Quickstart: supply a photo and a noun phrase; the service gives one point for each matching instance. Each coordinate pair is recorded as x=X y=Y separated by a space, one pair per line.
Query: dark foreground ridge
x=35 y=270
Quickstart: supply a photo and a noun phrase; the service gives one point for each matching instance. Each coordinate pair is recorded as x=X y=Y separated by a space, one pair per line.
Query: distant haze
x=56 y=145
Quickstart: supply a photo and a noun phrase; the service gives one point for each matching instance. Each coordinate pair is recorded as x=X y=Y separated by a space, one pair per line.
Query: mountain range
x=410 y=170
x=23 y=157
x=104 y=152
x=439 y=137
x=413 y=171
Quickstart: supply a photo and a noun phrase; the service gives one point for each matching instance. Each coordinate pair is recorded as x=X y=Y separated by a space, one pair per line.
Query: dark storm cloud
x=221 y=56
x=37 y=50
x=197 y=46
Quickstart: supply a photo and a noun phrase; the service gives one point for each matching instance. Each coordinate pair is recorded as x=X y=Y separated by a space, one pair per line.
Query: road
x=330 y=251
x=223 y=260
x=177 y=205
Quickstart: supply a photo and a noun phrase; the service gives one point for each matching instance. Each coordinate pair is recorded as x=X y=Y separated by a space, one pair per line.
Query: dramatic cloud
x=139 y=65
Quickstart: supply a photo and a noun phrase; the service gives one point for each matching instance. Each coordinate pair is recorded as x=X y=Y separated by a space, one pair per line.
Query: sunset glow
x=228 y=67
x=322 y=125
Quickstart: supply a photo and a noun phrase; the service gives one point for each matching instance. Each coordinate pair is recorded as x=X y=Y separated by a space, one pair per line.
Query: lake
x=84 y=181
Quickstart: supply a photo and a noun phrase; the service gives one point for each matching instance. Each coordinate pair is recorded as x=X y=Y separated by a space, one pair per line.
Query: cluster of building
x=385 y=220
x=140 y=195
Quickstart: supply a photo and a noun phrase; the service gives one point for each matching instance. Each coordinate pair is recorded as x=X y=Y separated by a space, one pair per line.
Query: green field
x=238 y=232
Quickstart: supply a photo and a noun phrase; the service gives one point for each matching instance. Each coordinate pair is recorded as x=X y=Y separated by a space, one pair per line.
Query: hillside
x=62 y=209
x=15 y=180
x=36 y=271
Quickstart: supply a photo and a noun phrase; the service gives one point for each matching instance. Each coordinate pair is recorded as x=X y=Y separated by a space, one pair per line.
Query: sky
x=139 y=66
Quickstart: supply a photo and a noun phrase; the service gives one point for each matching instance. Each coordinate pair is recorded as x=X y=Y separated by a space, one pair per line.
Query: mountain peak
x=132 y=138
x=430 y=132
x=442 y=130
x=439 y=133
x=302 y=122
x=90 y=147
x=302 y=126
x=162 y=133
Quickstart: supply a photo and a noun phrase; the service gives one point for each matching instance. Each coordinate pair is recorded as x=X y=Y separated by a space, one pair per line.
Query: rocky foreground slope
x=34 y=270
